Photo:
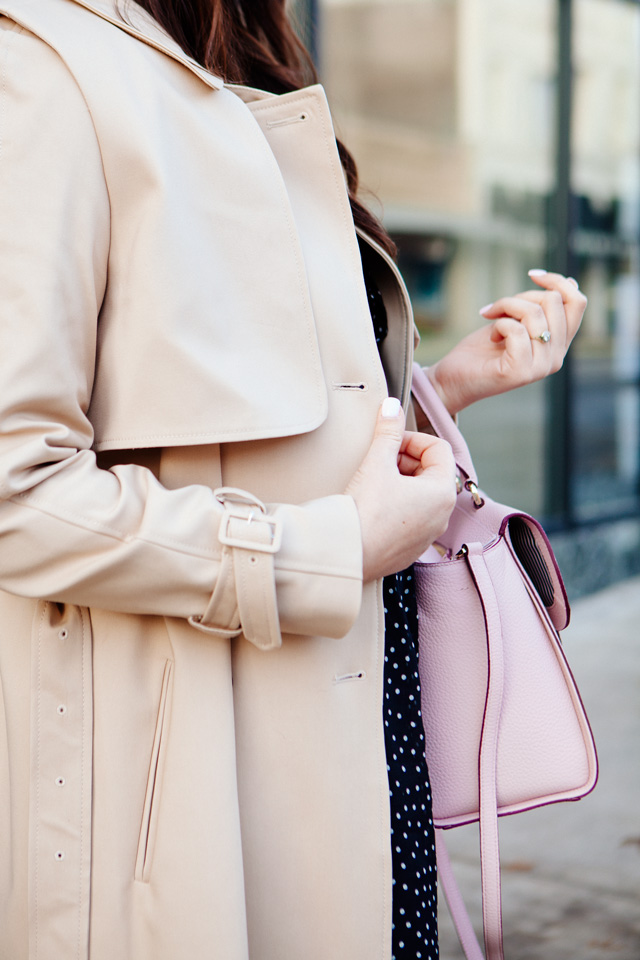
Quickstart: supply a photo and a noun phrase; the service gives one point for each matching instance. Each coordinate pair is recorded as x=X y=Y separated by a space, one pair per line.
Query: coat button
x=62 y=709
x=63 y=634
x=60 y=781
x=59 y=855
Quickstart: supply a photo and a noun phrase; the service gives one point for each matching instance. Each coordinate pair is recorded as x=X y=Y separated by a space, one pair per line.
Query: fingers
x=404 y=491
x=551 y=315
x=566 y=286
x=534 y=358
x=573 y=299
x=407 y=465
x=422 y=451
x=389 y=429
x=539 y=313
x=520 y=307
x=413 y=453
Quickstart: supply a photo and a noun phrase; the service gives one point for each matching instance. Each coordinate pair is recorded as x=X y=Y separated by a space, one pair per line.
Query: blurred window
x=450 y=109
x=605 y=245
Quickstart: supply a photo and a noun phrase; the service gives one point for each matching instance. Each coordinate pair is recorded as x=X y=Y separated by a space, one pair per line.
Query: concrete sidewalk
x=571 y=872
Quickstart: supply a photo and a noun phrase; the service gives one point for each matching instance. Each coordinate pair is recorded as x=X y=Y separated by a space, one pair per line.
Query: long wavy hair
x=253 y=42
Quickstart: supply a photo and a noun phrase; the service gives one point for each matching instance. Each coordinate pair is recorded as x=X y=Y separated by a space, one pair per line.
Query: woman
x=202 y=487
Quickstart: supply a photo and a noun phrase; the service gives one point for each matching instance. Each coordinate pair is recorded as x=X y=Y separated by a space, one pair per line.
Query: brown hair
x=253 y=42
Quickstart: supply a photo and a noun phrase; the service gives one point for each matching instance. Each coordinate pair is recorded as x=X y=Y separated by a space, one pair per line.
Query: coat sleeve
x=117 y=539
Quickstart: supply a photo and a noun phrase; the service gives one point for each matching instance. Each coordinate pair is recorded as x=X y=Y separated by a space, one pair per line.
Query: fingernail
x=573 y=281
x=390 y=408
x=537 y=272
x=484 y=309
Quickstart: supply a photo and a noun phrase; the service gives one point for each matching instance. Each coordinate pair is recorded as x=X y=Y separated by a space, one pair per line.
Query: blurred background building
x=496 y=136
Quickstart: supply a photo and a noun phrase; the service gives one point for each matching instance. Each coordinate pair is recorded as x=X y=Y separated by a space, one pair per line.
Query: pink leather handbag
x=505 y=727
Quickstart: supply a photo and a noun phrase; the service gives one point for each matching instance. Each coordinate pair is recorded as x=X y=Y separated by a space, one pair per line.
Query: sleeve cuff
x=304 y=579
x=318 y=569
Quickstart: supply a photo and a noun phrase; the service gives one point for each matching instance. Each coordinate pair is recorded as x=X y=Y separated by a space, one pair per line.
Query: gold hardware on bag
x=475 y=493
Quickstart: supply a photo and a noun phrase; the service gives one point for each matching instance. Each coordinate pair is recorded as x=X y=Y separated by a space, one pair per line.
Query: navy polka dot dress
x=415 y=924
x=414 y=918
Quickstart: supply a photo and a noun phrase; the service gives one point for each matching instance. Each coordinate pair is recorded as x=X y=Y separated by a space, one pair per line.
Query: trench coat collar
x=142 y=25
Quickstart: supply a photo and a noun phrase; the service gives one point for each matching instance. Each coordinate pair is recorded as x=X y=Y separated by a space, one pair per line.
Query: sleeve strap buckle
x=245 y=523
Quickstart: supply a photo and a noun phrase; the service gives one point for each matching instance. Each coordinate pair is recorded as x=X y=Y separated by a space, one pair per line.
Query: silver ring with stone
x=543 y=337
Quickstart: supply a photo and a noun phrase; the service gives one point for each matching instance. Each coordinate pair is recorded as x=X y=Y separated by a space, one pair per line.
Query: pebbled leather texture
x=505 y=728
x=545 y=749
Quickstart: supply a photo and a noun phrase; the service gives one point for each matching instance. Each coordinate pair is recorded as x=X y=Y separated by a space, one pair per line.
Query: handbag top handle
x=442 y=422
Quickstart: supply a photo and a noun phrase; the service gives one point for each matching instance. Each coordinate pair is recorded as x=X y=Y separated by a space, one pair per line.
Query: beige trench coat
x=191 y=745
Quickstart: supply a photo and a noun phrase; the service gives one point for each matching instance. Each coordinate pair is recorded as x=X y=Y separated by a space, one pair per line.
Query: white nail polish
x=484 y=309
x=391 y=408
x=537 y=272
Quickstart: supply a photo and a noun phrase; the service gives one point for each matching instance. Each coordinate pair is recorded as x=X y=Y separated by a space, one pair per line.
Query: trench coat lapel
x=140 y=24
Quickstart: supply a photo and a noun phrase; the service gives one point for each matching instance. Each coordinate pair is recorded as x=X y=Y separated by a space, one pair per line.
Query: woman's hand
x=405 y=491
x=515 y=349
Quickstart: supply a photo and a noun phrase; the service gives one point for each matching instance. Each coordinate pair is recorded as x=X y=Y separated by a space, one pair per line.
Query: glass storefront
x=477 y=125
x=604 y=245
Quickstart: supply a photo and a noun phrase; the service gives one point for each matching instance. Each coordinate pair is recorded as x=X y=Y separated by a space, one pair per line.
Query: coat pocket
x=149 y=826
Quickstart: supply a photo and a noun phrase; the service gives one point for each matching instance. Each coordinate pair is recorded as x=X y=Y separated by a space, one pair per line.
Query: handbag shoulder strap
x=487 y=782
x=488 y=757
x=457 y=909
x=441 y=420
